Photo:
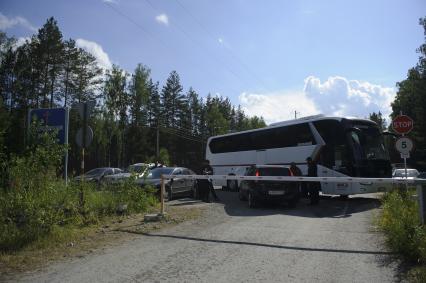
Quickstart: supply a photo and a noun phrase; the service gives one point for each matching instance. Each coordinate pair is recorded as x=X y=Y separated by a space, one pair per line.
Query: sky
x=274 y=58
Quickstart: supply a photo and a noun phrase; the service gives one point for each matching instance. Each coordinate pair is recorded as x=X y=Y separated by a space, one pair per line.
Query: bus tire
x=252 y=202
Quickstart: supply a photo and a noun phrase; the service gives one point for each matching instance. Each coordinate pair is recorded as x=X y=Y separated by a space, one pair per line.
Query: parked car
x=400 y=173
x=422 y=175
x=98 y=174
x=176 y=186
x=257 y=191
x=138 y=169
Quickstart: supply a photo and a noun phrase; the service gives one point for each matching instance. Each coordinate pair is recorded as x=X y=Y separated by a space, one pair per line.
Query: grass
x=77 y=241
x=404 y=234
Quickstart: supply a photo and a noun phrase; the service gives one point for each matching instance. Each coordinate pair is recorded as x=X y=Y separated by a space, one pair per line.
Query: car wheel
x=232 y=185
x=170 y=194
x=194 y=192
x=241 y=195
x=251 y=200
x=293 y=201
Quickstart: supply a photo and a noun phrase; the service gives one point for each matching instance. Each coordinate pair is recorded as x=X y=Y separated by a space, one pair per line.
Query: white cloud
x=279 y=106
x=96 y=50
x=110 y=1
x=20 y=41
x=162 y=19
x=340 y=96
x=6 y=23
x=335 y=96
x=220 y=40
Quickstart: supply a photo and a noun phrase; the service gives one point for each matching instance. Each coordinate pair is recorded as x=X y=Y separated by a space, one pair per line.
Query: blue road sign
x=53 y=119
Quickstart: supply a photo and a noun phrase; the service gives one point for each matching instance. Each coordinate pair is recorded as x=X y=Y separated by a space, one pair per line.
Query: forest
x=132 y=110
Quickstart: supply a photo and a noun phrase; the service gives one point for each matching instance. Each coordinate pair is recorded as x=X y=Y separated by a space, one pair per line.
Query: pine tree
x=172 y=100
x=49 y=51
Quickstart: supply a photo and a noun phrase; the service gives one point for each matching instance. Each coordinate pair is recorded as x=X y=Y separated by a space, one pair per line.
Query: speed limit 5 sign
x=404 y=145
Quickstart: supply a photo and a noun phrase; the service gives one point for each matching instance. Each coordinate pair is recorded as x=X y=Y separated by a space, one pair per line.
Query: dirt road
x=332 y=242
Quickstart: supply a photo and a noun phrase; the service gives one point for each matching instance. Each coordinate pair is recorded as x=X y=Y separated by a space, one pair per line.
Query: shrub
x=37 y=202
x=401 y=223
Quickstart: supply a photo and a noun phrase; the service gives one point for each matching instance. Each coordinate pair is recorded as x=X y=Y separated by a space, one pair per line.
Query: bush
x=401 y=223
x=37 y=202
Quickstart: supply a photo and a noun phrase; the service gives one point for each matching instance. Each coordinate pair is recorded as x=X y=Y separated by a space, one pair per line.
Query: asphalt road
x=332 y=242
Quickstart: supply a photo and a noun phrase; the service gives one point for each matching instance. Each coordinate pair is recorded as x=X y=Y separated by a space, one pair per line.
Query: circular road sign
x=79 y=137
x=404 y=145
x=402 y=124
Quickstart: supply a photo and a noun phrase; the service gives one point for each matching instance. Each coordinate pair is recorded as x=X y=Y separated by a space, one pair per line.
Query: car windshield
x=368 y=142
x=410 y=173
x=136 y=169
x=94 y=172
x=157 y=172
x=272 y=172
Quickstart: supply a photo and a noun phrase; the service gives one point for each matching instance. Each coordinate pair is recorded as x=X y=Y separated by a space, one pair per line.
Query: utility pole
x=295 y=114
x=158 y=141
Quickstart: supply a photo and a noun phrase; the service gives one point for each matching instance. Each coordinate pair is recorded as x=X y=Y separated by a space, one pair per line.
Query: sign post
x=84 y=135
x=54 y=119
x=402 y=124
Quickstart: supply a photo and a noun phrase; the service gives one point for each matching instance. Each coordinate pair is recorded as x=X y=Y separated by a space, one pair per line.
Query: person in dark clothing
x=313 y=186
x=205 y=186
x=297 y=172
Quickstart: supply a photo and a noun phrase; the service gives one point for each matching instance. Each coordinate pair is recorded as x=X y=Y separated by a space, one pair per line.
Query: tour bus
x=340 y=146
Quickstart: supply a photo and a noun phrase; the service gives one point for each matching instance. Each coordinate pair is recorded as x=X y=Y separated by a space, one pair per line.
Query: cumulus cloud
x=10 y=22
x=336 y=96
x=96 y=50
x=340 y=96
x=279 y=106
x=162 y=19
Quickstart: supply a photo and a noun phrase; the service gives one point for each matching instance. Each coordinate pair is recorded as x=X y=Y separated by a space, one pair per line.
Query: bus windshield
x=367 y=143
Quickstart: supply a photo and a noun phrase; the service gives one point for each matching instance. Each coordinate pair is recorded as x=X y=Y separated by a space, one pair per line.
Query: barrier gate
x=419 y=183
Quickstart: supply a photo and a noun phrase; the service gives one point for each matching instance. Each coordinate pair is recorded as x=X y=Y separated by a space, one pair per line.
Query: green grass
x=404 y=234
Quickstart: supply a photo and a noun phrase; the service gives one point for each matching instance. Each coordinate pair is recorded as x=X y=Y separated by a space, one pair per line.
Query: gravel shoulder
x=333 y=242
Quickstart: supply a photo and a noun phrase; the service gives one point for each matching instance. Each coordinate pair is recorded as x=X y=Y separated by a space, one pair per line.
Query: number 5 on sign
x=404 y=145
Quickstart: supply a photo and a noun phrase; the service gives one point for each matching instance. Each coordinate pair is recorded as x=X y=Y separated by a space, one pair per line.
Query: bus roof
x=298 y=121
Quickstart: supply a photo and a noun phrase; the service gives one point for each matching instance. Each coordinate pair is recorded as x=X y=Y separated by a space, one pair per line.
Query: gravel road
x=332 y=242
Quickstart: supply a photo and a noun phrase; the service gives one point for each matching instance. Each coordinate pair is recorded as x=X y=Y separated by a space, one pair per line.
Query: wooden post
x=162 y=194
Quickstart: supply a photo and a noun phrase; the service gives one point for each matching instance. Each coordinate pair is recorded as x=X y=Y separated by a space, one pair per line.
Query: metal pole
x=67 y=120
x=162 y=195
x=157 y=151
x=421 y=196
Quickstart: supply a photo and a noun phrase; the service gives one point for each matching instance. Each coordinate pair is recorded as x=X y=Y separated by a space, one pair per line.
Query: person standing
x=205 y=186
x=295 y=171
x=313 y=186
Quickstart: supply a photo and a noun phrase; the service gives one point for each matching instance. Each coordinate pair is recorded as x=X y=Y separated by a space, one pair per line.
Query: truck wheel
x=251 y=200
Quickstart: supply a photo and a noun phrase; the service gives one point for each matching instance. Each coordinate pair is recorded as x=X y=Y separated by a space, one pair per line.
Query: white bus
x=340 y=146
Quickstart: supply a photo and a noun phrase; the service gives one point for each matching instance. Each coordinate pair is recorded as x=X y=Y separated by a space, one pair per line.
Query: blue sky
x=272 y=57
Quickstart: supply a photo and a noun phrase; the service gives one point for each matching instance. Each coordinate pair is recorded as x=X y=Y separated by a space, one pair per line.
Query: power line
x=165 y=45
x=199 y=44
x=245 y=66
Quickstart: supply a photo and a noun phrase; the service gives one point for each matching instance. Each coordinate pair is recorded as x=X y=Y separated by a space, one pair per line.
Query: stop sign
x=402 y=124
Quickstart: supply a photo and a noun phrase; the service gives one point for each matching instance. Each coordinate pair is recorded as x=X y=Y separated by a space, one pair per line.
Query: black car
x=268 y=191
x=97 y=175
x=176 y=186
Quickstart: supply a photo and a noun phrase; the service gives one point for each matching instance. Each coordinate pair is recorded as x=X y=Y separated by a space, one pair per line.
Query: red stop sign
x=402 y=124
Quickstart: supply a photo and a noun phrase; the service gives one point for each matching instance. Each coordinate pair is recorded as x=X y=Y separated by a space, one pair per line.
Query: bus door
x=261 y=156
x=326 y=187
